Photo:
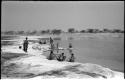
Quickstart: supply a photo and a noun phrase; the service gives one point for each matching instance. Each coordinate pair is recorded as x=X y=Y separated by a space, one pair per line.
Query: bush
x=55 y=31
x=71 y=30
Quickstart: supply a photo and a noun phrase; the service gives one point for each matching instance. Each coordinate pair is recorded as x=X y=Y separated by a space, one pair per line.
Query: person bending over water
x=61 y=57
x=25 y=45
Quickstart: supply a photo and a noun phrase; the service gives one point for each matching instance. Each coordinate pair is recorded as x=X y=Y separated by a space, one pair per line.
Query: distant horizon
x=63 y=30
x=31 y=15
x=66 y=29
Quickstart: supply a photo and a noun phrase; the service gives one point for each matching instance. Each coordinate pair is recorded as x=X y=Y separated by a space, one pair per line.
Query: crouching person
x=72 y=58
x=61 y=57
x=51 y=56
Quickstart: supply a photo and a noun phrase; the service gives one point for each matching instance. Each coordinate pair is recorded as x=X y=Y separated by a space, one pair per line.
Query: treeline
x=59 y=31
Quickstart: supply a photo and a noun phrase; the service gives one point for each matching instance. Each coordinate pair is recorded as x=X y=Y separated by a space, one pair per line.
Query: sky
x=42 y=15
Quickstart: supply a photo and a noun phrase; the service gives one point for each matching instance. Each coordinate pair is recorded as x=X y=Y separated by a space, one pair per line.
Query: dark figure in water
x=72 y=59
x=70 y=45
x=70 y=48
x=44 y=42
x=20 y=47
x=61 y=57
x=40 y=42
x=25 y=45
x=51 y=56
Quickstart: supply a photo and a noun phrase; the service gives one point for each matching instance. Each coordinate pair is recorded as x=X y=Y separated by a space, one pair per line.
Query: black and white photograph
x=62 y=40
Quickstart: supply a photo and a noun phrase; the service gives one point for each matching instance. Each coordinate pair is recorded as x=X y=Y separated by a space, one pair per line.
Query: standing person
x=51 y=44
x=72 y=59
x=51 y=40
x=70 y=48
x=25 y=45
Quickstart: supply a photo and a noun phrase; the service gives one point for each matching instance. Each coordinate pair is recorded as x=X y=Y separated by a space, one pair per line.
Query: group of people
x=60 y=57
x=44 y=42
x=26 y=42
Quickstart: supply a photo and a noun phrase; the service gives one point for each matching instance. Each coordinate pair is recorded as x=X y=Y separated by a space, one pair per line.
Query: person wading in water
x=25 y=45
x=72 y=58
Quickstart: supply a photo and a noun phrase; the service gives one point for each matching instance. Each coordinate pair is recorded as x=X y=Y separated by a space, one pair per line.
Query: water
x=106 y=50
x=106 y=53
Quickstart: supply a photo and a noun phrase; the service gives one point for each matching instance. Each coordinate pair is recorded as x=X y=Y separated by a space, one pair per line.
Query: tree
x=106 y=30
x=122 y=31
x=33 y=32
x=28 y=32
x=71 y=30
x=20 y=32
x=55 y=31
x=9 y=32
x=45 y=31
x=90 y=30
x=82 y=31
x=96 y=31
x=117 y=31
